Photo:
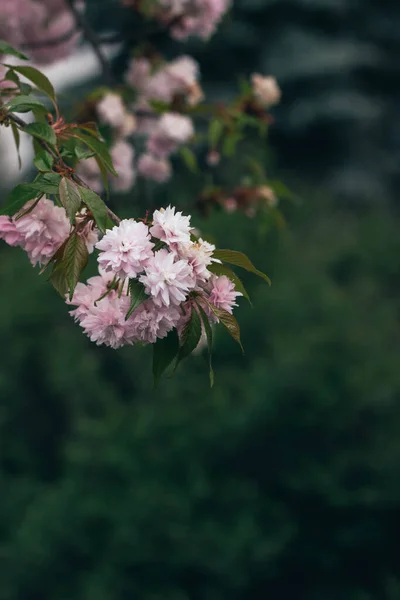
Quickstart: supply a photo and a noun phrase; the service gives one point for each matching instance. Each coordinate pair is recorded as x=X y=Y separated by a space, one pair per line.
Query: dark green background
x=283 y=481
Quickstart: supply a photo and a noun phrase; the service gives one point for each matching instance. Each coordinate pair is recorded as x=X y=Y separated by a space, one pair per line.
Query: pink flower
x=42 y=230
x=55 y=26
x=89 y=171
x=184 y=71
x=268 y=195
x=166 y=280
x=89 y=232
x=129 y=125
x=199 y=256
x=17 y=16
x=170 y=227
x=91 y=236
x=230 y=205
x=139 y=72
x=111 y=110
x=172 y=130
x=102 y=320
x=104 y=323
x=150 y=322
x=222 y=293
x=125 y=249
x=266 y=90
x=176 y=127
x=122 y=155
x=151 y=167
x=201 y=19
x=9 y=233
x=213 y=158
x=33 y=22
x=85 y=295
x=178 y=77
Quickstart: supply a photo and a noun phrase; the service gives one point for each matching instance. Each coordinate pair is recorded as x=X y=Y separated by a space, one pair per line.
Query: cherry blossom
x=125 y=249
x=151 y=167
x=223 y=293
x=170 y=227
x=266 y=90
x=167 y=280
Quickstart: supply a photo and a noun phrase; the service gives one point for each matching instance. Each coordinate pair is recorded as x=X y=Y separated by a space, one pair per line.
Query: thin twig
x=42 y=143
x=93 y=40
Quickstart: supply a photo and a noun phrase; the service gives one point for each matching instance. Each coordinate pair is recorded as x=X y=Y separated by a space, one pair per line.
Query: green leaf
x=240 y=260
x=55 y=259
x=96 y=206
x=12 y=76
x=41 y=131
x=17 y=199
x=283 y=191
x=190 y=336
x=43 y=161
x=104 y=175
x=26 y=90
x=209 y=336
x=245 y=86
x=249 y=121
x=189 y=158
x=230 y=143
x=70 y=198
x=137 y=294
x=75 y=259
x=5 y=48
x=219 y=269
x=22 y=104
x=159 y=106
x=228 y=321
x=82 y=154
x=99 y=148
x=215 y=131
x=91 y=128
x=164 y=352
x=37 y=78
x=58 y=279
x=47 y=183
x=16 y=136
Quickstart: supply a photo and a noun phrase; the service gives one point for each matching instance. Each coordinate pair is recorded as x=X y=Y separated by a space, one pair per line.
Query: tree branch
x=21 y=123
x=93 y=40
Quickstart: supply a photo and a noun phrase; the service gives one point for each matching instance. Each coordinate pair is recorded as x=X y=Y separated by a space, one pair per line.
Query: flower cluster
x=167 y=267
x=30 y=23
x=163 y=134
x=185 y=17
x=165 y=82
x=42 y=229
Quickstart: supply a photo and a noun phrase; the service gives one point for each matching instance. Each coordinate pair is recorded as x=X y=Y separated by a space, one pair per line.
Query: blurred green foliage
x=281 y=482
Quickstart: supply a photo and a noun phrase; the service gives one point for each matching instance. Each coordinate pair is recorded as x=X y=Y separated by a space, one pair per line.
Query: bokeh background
x=283 y=480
